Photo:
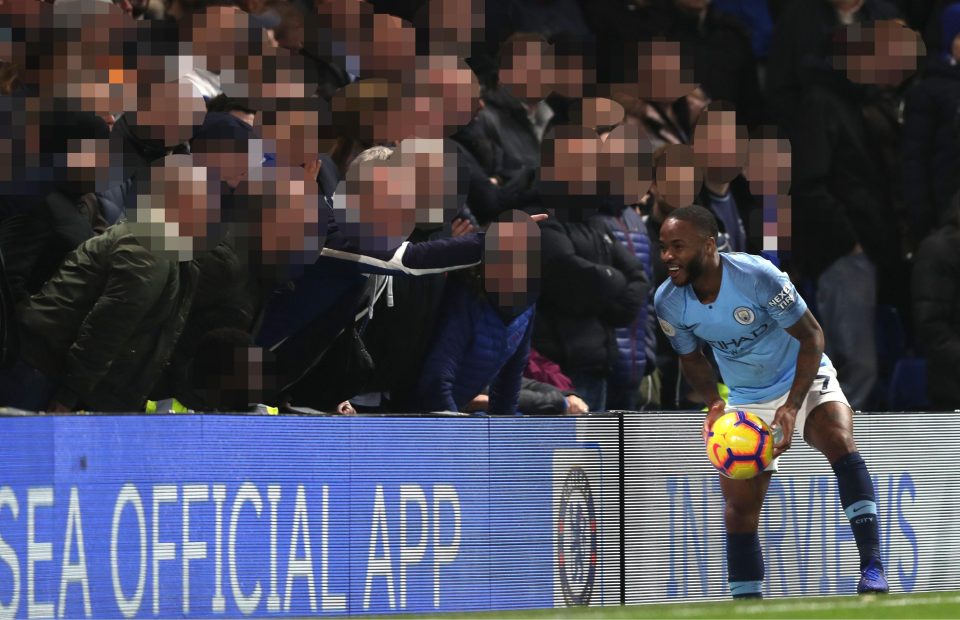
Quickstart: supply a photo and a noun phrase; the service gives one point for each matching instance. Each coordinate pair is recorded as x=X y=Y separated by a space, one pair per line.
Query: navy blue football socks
x=744 y=565
x=860 y=505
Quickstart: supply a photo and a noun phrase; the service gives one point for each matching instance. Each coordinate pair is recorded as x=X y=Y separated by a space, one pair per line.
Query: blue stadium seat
x=908 y=385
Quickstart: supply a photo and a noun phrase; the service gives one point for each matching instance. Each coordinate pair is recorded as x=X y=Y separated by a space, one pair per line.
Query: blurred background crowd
x=408 y=206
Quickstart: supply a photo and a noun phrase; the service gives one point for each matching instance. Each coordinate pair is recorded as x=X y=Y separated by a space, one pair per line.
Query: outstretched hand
x=312 y=169
x=461 y=226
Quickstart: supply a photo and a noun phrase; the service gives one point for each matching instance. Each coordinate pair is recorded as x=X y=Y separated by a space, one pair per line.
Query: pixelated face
x=664 y=75
x=391 y=207
x=282 y=76
x=293 y=135
x=88 y=163
x=625 y=162
x=390 y=51
x=169 y=113
x=373 y=45
x=177 y=209
x=884 y=53
x=375 y=111
x=222 y=34
x=575 y=161
x=442 y=96
x=720 y=146
x=511 y=264
x=768 y=166
x=290 y=227
x=229 y=160
x=528 y=70
x=677 y=179
x=377 y=203
x=455 y=24
x=432 y=163
x=683 y=250
x=349 y=21
x=86 y=62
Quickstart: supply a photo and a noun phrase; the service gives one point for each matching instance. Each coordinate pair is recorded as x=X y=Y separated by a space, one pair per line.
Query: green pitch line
x=929 y=605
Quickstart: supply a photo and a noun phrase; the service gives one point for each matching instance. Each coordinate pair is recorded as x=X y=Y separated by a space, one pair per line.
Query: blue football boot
x=872 y=579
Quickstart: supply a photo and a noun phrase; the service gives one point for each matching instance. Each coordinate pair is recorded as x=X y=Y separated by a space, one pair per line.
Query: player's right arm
x=694 y=365
x=700 y=375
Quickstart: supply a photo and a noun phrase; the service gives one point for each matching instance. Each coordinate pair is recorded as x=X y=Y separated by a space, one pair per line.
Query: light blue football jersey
x=745 y=326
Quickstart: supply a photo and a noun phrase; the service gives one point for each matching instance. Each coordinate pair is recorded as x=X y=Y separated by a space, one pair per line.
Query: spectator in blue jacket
x=485 y=325
x=636 y=343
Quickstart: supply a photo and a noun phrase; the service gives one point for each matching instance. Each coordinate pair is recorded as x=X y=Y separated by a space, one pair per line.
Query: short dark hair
x=702 y=219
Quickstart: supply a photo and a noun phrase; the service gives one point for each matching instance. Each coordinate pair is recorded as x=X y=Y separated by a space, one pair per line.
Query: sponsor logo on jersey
x=733 y=345
x=784 y=299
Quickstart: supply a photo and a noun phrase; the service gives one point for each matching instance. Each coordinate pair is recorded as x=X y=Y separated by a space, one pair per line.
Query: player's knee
x=741 y=516
x=833 y=442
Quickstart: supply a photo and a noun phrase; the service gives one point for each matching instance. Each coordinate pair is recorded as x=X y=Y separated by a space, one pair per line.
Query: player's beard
x=695 y=267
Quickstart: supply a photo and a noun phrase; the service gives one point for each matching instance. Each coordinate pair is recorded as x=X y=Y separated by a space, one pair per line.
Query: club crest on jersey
x=667 y=328
x=744 y=315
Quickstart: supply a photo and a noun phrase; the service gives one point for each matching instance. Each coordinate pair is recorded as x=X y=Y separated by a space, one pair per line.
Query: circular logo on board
x=744 y=315
x=577 y=539
x=667 y=328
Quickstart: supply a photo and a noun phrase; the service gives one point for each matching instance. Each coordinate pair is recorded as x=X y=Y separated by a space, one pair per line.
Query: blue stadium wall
x=235 y=516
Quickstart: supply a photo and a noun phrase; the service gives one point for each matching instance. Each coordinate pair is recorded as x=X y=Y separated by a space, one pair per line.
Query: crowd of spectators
x=408 y=206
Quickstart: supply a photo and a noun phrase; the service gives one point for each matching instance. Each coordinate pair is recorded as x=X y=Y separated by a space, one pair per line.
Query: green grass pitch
x=929 y=605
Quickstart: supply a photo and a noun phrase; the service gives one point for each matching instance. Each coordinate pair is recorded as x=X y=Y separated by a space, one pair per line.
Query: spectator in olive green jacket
x=103 y=327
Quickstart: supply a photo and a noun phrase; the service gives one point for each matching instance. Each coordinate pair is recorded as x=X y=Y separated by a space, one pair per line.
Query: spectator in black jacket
x=677 y=182
x=722 y=52
x=797 y=47
x=591 y=284
x=845 y=226
x=931 y=142
x=936 y=307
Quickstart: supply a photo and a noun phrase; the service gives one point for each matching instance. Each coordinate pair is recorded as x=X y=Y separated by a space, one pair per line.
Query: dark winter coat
x=723 y=60
x=591 y=285
x=475 y=346
x=841 y=192
x=936 y=308
x=105 y=324
x=931 y=145
x=503 y=124
x=636 y=343
x=798 y=45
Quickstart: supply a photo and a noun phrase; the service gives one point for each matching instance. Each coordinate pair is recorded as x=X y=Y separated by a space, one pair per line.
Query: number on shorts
x=826 y=382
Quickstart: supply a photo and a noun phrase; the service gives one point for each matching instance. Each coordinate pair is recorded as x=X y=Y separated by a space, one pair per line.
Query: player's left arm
x=807 y=330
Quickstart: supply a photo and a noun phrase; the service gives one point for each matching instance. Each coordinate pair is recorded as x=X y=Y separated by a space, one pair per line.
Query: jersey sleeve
x=670 y=315
x=778 y=295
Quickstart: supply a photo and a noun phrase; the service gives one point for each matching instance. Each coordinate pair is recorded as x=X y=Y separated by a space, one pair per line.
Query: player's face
x=683 y=251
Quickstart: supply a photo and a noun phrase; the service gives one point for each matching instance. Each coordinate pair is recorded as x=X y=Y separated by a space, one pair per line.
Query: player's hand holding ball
x=783 y=422
x=716 y=410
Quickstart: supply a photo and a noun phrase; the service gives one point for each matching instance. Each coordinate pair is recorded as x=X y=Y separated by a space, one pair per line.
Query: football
x=740 y=445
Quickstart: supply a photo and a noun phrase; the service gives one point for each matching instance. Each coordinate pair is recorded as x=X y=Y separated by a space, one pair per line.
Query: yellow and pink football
x=740 y=445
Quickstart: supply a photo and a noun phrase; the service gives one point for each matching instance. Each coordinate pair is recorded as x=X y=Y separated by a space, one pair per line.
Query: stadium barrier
x=233 y=516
